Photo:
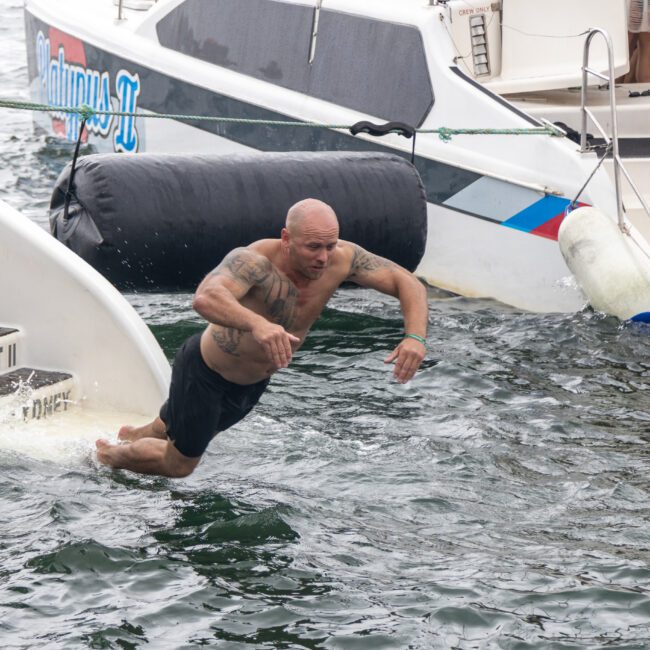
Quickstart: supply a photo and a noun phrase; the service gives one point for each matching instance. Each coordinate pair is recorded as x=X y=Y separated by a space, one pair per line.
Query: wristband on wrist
x=416 y=337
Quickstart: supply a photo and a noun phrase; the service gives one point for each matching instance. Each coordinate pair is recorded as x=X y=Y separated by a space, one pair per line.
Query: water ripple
x=500 y=500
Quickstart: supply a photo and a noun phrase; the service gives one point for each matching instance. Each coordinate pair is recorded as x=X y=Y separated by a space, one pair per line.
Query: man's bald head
x=308 y=213
x=310 y=238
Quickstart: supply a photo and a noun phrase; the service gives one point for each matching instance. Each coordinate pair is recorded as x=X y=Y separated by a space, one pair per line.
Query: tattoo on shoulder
x=227 y=339
x=365 y=262
x=245 y=266
x=276 y=291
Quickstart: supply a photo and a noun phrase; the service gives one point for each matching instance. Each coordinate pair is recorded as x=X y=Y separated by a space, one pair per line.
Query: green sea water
x=500 y=500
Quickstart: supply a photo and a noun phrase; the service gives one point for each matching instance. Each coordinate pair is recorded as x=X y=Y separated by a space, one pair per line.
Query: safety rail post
x=586 y=113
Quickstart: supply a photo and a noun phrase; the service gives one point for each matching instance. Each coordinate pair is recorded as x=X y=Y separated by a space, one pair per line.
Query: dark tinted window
x=371 y=66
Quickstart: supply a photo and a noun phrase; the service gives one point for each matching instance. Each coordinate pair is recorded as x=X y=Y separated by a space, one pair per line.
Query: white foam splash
x=12 y=406
x=63 y=438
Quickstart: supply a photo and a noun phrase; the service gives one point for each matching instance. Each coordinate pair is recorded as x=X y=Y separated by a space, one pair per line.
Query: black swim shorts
x=201 y=402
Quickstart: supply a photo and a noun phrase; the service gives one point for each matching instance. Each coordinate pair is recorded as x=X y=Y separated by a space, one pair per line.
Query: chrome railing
x=611 y=139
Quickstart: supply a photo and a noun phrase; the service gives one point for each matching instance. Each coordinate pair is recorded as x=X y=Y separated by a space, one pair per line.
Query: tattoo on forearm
x=228 y=339
x=364 y=262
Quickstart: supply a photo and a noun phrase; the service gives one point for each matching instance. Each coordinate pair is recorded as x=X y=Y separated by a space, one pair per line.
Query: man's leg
x=147 y=456
x=630 y=77
x=643 y=63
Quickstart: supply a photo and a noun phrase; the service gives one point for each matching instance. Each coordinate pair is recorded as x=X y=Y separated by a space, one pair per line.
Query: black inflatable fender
x=162 y=221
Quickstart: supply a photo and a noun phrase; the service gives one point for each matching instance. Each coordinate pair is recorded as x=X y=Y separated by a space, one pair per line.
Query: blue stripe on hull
x=538 y=213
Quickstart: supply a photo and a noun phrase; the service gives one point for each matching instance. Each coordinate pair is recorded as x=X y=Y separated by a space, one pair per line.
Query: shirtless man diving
x=260 y=303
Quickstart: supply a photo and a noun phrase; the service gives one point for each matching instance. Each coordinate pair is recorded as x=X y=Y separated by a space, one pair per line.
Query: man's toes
x=125 y=432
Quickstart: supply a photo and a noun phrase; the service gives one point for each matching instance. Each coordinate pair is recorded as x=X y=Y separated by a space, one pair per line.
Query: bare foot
x=112 y=455
x=103 y=451
x=155 y=429
x=127 y=432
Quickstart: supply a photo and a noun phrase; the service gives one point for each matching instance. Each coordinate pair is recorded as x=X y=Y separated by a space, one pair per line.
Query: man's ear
x=285 y=237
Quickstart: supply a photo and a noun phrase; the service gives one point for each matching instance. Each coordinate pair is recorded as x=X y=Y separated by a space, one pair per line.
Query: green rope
x=446 y=134
x=86 y=112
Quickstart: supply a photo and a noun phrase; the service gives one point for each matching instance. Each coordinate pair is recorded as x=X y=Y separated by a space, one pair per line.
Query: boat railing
x=611 y=138
x=138 y=5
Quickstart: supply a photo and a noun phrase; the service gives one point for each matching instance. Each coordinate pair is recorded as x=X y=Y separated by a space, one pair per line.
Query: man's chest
x=282 y=302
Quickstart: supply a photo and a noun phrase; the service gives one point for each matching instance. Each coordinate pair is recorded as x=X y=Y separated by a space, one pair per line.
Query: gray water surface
x=500 y=500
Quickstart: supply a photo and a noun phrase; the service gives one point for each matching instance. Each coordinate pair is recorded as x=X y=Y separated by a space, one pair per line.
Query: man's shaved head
x=309 y=210
x=310 y=238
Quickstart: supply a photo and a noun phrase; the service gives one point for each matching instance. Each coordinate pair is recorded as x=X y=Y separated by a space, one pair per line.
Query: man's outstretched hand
x=276 y=342
x=408 y=356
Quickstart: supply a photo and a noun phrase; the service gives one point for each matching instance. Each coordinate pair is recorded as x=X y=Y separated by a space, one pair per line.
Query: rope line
x=574 y=203
x=87 y=112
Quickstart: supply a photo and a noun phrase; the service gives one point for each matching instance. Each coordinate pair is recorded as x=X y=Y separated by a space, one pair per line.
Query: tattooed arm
x=378 y=273
x=218 y=297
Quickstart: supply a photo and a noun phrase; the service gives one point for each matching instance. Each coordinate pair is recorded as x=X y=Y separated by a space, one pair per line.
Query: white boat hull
x=495 y=202
x=74 y=321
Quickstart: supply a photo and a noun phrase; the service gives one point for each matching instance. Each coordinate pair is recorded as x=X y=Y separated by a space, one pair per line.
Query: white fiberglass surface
x=66 y=438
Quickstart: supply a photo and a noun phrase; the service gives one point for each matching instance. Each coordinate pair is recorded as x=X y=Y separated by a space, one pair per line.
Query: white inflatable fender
x=612 y=269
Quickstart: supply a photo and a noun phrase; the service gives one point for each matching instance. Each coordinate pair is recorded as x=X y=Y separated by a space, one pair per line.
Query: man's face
x=312 y=245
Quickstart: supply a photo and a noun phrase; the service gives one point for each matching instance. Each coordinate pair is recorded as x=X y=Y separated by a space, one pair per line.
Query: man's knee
x=180 y=466
x=181 y=471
